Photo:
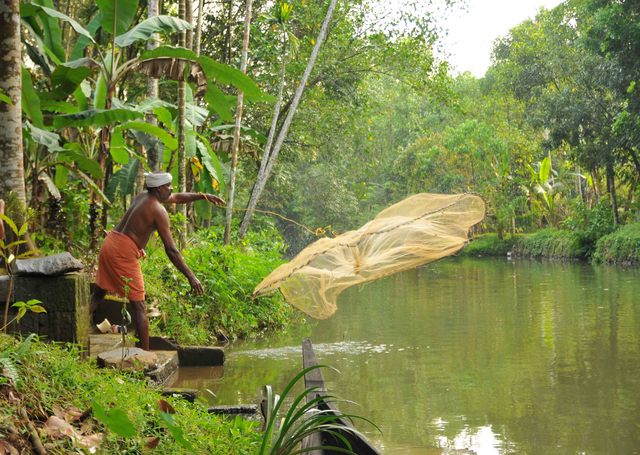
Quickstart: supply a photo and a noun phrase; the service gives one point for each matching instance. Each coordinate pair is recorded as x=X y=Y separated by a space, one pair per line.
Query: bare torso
x=141 y=218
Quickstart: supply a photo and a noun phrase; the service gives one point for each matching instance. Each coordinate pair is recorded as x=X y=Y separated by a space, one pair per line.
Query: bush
x=620 y=247
x=590 y=223
x=489 y=245
x=550 y=243
x=229 y=274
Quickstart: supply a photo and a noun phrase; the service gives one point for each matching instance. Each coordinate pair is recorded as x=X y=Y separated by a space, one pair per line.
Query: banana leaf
x=46 y=138
x=74 y=154
x=66 y=79
x=4 y=98
x=96 y=118
x=75 y=25
x=167 y=139
x=145 y=29
x=51 y=31
x=122 y=12
x=30 y=100
x=123 y=180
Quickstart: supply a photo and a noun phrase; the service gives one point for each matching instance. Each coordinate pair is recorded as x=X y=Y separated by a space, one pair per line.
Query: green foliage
x=590 y=223
x=229 y=275
x=32 y=305
x=145 y=29
x=550 y=243
x=620 y=247
x=285 y=431
x=9 y=252
x=53 y=377
x=10 y=357
x=116 y=420
x=4 y=98
x=490 y=245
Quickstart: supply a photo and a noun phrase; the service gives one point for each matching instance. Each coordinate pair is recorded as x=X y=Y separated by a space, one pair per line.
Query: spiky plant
x=284 y=435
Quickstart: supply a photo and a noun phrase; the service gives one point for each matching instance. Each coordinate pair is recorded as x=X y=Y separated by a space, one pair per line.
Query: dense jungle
x=308 y=117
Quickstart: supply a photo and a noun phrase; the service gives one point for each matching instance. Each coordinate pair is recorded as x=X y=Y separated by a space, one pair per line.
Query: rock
x=49 y=265
x=135 y=359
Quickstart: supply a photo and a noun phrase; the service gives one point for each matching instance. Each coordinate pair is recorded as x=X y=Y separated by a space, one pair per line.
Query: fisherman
x=118 y=268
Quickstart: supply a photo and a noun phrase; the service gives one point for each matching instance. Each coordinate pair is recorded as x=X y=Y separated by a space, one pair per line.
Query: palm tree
x=11 y=153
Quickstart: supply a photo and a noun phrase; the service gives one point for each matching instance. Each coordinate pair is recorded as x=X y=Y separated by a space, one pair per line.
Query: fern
x=9 y=369
x=9 y=359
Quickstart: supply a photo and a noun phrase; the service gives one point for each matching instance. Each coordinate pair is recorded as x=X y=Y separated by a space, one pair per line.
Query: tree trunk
x=199 y=26
x=262 y=179
x=11 y=152
x=272 y=132
x=189 y=18
x=236 y=134
x=611 y=187
x=182 y=103
x=153 y=157
x=226 y=51
x=635 y=160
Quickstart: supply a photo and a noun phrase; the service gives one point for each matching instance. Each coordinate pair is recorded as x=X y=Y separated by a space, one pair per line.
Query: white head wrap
x=155 y=179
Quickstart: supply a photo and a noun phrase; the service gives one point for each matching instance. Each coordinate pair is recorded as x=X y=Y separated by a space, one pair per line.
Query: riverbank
x=227 y=310
x=620 y=247
x=52 y=398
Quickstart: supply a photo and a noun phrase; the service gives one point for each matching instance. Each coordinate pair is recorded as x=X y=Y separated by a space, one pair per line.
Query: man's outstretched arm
x=185 y=198
x=174 y=255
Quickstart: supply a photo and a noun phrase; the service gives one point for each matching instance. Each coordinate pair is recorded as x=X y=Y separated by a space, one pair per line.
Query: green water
x=485 y=355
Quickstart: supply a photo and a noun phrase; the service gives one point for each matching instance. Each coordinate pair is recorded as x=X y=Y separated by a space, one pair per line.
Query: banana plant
x=546 y=184
x=95 y=83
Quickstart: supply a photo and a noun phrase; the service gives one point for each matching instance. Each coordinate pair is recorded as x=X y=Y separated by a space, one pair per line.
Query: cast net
x=415 y=231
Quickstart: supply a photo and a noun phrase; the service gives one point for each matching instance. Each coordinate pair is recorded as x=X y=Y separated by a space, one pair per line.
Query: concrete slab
x=103 y=342
x=201 y=356
x=167 y=364
x=129 y=359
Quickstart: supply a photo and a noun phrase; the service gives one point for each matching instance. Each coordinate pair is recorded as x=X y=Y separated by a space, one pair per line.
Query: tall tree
x=153 y=156
x=262 y=178
x=236 y=133
x=181 y=120
x=11 y=153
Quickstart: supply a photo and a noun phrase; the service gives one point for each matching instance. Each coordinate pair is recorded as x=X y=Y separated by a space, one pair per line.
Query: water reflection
x=488 y=356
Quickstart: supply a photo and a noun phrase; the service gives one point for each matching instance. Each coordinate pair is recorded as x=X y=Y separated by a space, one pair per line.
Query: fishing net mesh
x=416 y=231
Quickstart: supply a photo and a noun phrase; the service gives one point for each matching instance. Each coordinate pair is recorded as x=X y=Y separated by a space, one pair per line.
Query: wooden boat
x=313 y=379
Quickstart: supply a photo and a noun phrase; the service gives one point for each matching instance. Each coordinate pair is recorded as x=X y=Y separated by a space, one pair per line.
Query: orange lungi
x=119 y=258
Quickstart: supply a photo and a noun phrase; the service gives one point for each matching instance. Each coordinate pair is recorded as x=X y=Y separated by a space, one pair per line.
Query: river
x=484 y=355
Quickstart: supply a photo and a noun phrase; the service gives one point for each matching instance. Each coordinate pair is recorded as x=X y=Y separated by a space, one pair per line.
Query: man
x=118 y=268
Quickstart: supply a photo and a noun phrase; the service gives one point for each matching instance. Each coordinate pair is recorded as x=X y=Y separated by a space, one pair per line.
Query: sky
x=473 y=30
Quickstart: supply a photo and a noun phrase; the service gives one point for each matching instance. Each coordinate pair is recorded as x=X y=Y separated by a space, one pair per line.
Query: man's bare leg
x=141 y=322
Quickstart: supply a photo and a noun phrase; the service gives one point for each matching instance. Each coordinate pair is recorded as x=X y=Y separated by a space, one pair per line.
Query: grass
x=551 y=243
x=489 y=245
x=53 y=385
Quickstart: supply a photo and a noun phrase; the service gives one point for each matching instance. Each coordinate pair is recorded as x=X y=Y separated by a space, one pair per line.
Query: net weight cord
x=318 y=232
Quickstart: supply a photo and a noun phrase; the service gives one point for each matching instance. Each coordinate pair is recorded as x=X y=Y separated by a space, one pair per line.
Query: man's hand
x=214 y=199
x=196 y=286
